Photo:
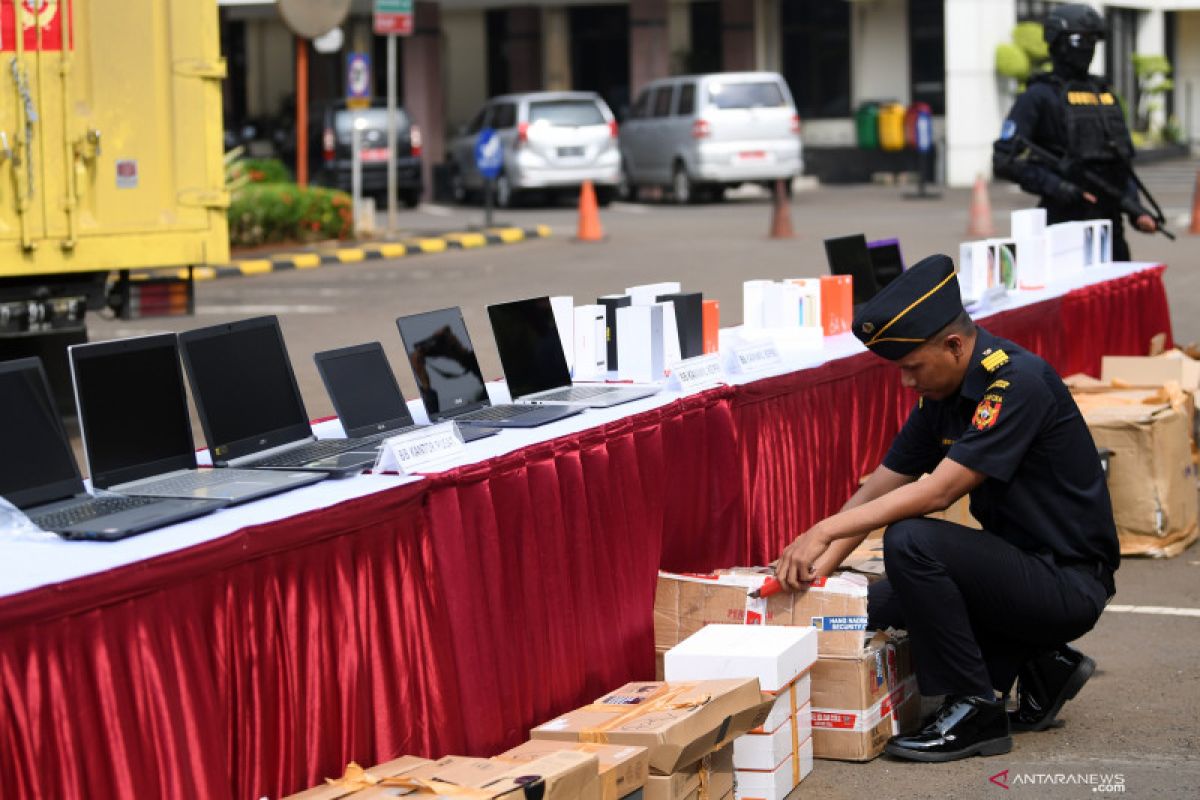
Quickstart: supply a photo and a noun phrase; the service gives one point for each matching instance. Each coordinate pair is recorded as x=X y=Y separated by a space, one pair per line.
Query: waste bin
x=912 y=138
x=866 y=125
x=891 y=126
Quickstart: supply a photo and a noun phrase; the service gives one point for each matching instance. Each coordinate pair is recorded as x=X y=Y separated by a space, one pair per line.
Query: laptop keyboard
x=89 y=510
x=578 y=393
x=312 y=451
x=495 y=413
x=193 y=481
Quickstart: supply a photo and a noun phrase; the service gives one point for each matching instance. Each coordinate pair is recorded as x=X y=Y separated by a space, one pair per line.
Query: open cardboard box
x=623 y=768
x=679 y=723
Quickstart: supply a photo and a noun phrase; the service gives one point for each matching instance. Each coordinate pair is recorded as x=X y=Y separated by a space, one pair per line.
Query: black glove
x=1066 y=193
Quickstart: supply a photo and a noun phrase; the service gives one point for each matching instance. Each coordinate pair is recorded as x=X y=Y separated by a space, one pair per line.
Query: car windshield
x=373 y=119
x=765 y=94
x=566 y=113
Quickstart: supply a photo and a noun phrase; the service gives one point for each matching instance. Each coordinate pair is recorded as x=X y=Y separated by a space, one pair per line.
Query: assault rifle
x=1088 y=180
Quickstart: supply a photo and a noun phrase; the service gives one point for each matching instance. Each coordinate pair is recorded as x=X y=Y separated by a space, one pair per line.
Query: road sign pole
x=392 y=222
x=489 y=191
x=355 y=175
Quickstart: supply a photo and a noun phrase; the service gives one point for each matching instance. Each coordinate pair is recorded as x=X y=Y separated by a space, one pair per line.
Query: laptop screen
x=443 y=362
x=848 y=255
x=132 y=408
x=363 y=389
x=36 y=463
x=244 y=387
x=886 y=260
x=530 y=350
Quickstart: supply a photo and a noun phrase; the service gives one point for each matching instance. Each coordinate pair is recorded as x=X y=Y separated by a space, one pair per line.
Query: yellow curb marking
x=350 y=255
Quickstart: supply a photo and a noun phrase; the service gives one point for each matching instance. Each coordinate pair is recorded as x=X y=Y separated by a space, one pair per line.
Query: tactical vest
x=1096 y=131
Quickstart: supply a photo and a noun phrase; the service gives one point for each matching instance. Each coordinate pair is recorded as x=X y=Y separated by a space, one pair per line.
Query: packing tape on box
x=440 y=788
x=662 y=700
x=795 y=735
x=354 y=778
x=705 y=775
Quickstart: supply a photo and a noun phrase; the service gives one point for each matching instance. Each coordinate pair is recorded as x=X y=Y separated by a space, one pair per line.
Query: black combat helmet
x=1072 y=18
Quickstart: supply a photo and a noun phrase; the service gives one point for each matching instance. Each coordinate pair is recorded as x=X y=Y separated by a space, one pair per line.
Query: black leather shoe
x=962 y=727
x=1045 y=684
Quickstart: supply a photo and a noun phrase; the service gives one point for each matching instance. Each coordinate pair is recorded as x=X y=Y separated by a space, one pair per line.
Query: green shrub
x=265 y=213
x=266 y=170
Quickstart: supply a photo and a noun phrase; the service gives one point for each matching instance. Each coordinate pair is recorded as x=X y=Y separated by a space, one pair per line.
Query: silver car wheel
x=504 y=191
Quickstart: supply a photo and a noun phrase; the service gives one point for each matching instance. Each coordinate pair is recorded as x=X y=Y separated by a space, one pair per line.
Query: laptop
x=534 y=363
x=886 y=260
x=367 y=398
x=38 y=473
x=137 y=436
x=447 y=373
x=250 y=406
x=848 y=255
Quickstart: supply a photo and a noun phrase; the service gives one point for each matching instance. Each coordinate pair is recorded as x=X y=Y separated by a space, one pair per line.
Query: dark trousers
x=977 y=608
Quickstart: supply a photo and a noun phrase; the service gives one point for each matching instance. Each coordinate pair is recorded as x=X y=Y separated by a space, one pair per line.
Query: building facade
x=835 y=55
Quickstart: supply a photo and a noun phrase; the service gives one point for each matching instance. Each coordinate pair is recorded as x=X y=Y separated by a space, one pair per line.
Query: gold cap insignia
x=868 y=327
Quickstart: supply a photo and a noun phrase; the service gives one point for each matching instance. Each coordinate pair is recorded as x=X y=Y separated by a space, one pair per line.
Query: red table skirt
x=451 y=616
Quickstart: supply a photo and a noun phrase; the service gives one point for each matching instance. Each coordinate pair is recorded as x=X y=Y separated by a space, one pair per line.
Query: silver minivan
x=698 y=134
x=550 y=140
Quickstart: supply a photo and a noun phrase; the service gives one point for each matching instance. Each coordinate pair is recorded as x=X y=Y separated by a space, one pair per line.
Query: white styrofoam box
x=775 y=654
x=564 y=320
x=779 y=782
x=806 y=337
x=766 y=751
x=591 y=352
x=782 y=710
x=672 y=353
x=648 y=293
x=754 y=295
x=640 y=356
x=1031 y=256
x=1028 y=223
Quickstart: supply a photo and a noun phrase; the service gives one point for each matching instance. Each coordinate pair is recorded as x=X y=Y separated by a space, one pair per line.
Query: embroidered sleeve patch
x=987 y=412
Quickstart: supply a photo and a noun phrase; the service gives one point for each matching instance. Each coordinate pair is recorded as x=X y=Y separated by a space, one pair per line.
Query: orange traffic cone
x=1194 y=230
x=980 y=224
x=781 y=214
x=589 y=229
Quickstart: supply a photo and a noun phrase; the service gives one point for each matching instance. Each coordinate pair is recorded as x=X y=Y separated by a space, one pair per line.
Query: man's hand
x=796 y=567
x=1146 y=223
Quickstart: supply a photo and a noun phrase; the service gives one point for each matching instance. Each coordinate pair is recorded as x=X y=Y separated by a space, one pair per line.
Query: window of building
x=662 y=101
x=685 y=104
x=927 y=53
x=815 y=49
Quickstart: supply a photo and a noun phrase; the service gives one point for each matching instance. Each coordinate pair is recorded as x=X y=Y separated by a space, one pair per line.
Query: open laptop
x=38 y=473
x=367 y=398
x=137 y=436
x=448 y=376
x=848 y=255
x=534 y=363
x=250 y=406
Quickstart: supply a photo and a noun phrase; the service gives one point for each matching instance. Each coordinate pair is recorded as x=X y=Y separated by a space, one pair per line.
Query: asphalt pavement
x=1136 y=718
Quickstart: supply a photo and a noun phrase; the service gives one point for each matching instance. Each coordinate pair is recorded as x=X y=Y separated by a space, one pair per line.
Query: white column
x=880 y=63
x=466 y=77
x=556 y=49
x=1152 y=40
x=766 y=36
x=974 y=107
x=679 y=34
x=1187 y=75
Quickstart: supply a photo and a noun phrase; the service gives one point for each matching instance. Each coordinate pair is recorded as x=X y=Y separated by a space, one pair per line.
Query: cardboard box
x=680 y=723
x=858 y=703
x=1151 y=477
x=775 y=655
x=623 y=769
x=766 y=751
x=355 y=779
x=712 y=326
x=778 y=783
x=689 y=784
x=566 y=775
x=1152 y=370
x=836 y=606
x=787 y=702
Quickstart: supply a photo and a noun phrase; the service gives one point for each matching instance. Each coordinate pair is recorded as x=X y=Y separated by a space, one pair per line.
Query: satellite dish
x=313 y=18
x=330 y=42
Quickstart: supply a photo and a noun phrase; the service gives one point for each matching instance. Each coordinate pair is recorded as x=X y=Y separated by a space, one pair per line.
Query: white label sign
x=413 y=451
x=700 y=372
x=756 y=357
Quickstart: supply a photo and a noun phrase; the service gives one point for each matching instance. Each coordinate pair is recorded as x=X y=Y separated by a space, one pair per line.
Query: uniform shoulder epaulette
x=994 y=361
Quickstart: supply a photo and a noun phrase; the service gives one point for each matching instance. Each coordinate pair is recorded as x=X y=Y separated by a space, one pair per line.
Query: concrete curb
x=371 y=251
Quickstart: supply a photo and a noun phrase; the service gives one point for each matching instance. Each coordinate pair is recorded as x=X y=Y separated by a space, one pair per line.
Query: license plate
x=570 y=152
x=753 y=155
x=375 y=154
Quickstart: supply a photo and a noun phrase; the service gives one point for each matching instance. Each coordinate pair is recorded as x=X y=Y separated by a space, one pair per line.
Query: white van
x=698 y=134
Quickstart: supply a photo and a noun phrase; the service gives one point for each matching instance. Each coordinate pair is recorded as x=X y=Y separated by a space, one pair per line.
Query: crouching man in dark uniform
x=982 y=608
